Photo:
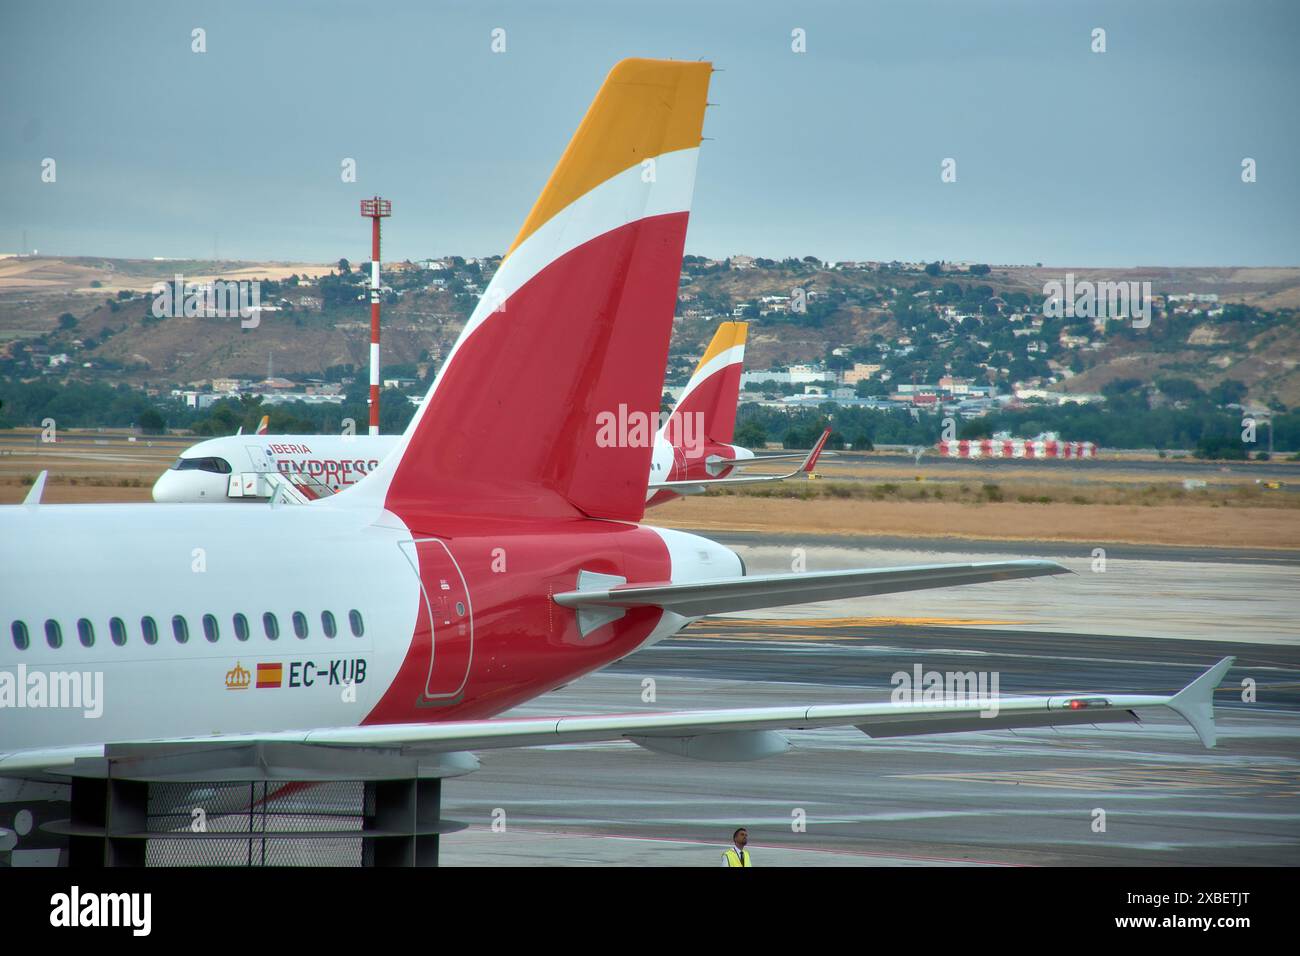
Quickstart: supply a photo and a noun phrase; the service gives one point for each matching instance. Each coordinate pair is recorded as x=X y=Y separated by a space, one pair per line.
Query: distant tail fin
x=714 y=388
x=550 y=396
x=263 y=425
x=810 y=462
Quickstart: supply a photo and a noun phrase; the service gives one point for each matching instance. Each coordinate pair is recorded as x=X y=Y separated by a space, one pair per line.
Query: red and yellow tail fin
x=714 y=388
x=572 y=332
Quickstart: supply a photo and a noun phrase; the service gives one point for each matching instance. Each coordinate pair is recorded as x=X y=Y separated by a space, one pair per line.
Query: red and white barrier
x=1016 y=448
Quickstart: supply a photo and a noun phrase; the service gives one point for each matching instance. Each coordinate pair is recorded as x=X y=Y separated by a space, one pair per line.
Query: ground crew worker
x=737 y=855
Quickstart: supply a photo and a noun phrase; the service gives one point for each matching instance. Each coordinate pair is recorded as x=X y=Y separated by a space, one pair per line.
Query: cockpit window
x=218 y=466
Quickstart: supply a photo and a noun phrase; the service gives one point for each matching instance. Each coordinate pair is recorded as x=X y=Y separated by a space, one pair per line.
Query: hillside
x=955 y=322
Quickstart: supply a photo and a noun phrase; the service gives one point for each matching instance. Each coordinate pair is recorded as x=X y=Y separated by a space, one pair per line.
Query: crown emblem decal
x=238 y=678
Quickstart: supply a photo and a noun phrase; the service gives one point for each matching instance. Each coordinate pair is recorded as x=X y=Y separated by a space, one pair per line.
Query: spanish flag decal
x=270 y=675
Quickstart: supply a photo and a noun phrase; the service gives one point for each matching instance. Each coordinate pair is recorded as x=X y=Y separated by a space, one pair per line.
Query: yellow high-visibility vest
x=735 y=859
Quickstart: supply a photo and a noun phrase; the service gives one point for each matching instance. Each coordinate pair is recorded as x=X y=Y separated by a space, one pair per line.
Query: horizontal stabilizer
x=749 y=593
x=697 y=487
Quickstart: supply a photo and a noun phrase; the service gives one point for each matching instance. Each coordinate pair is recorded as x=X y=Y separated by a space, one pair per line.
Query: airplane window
x=218 y=466
x=358 y=626
x=117 y=630
x=210 y=628
x=180 y=629
x=271 y=626
x=300 y=624
x=460 y=609
x=86 y=632
x=53 y=634
x=241 y=627
x=149 y=630
x=327 y=624
x=21 y=639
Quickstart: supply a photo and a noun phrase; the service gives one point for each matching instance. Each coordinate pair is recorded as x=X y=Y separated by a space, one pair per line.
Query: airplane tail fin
x=549 y=399
x=263 y=425
x=714 y=388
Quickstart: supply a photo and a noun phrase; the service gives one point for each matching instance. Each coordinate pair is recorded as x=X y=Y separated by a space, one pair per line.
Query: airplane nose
x=160 y=487
x=166 y=487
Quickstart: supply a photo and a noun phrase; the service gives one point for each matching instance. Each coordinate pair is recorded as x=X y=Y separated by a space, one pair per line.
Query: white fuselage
x=205 y=471
x=114 y=566
x=189 y=563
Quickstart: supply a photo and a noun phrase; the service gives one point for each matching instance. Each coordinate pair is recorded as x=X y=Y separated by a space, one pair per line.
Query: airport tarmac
x=1030 y=797
x=1146 y=595
x=1059 y=468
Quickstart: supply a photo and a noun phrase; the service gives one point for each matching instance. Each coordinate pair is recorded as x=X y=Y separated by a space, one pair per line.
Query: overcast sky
x=1065 y=156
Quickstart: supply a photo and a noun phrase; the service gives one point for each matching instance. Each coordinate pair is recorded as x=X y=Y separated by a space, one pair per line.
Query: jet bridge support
x=258 y=804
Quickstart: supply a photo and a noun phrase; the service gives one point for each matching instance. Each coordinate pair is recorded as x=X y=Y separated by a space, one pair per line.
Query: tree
x=1239 y=313
x=1216 y=447
x=1122 y=388
x=979 y=270
x=1179 y=389
x=151 y=422
x=752 y=434
x=933 y=269
x=1228 y=392
x=67 y=321
x=344 y=267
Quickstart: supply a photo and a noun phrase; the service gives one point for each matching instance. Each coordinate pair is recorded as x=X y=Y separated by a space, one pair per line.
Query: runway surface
x=1087 y=468
x=1000 y=798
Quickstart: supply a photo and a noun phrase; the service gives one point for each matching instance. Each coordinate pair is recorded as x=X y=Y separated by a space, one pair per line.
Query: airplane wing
x=704 y=484
x=744 y=733
x=751 y=592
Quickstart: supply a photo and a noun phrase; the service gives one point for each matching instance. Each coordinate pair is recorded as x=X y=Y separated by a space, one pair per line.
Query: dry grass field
x=1190 y=525
x=1113 y=506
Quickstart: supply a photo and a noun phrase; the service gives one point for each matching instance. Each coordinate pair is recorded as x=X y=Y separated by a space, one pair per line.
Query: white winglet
x=1195 y=702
